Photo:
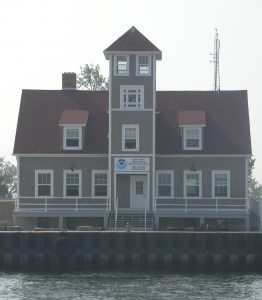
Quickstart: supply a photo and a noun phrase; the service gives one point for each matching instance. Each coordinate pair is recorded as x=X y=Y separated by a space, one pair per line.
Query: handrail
x=116 y=209
x=61 y=203
x=190 y=203
x=145 y=211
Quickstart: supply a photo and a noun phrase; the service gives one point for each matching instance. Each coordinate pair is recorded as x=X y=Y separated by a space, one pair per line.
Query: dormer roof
x=191 y=117
x=73 y=117
x=133 y=41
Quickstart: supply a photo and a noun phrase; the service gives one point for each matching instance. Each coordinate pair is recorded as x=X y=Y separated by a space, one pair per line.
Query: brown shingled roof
x=133 y=40
x=226 y=131
x=38 y=129
x=227 y=121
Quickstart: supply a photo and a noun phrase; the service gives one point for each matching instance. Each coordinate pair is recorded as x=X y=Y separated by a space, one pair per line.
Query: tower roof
x=132 y=41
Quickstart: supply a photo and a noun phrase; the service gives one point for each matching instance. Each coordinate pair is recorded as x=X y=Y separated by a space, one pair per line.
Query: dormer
x=73 y=123
x=192 y=124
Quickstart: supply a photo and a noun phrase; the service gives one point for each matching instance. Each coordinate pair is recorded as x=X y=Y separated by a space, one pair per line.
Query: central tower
x=132 y=107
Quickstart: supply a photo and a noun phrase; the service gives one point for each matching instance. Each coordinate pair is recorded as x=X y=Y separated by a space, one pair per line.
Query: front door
x=138 y=191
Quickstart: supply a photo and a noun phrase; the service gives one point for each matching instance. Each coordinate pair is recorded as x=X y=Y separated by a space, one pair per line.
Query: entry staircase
x=136 y=220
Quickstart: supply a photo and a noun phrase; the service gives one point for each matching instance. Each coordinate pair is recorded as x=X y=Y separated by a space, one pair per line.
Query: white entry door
x=138 y=191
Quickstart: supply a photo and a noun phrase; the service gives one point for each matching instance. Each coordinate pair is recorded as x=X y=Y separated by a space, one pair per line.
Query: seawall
x=171 y=251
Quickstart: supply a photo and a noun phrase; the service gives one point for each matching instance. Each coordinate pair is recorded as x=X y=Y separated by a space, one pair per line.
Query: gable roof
x=132 y=40
x=226 y=132
x=227 y=121
x=38 y=129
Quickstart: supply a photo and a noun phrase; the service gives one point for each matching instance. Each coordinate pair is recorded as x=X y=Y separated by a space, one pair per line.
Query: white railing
x=145 y=211
x=61 y=203
x=187 y=204
x=116 y=213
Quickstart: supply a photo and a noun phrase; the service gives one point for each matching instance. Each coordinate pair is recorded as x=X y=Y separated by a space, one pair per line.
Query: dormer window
x=192 y=138
x=121 y=65
x=192 y=124
x=73 y=123
x=143 y=65
x=72 y=138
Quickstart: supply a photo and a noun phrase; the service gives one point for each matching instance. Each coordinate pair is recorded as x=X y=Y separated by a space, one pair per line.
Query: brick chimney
x=69 y=81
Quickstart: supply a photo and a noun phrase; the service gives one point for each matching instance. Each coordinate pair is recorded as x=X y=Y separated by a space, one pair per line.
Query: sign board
x=132 y=164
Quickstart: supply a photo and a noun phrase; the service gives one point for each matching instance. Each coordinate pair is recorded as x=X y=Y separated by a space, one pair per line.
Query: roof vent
x=69 y=81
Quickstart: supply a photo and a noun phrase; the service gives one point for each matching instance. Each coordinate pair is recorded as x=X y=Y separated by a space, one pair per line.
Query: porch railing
x=61 y=203
x=189 y=204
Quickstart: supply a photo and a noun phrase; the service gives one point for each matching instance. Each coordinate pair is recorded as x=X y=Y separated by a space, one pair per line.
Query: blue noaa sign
x=121 y=164
x=132 y=164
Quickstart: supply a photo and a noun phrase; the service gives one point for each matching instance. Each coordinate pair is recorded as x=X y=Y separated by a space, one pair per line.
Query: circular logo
x=121 y=164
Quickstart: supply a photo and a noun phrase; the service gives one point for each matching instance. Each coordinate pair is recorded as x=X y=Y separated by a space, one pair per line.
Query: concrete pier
x=171 y=251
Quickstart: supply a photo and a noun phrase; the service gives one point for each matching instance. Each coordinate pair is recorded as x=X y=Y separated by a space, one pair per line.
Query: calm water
x=129 y=286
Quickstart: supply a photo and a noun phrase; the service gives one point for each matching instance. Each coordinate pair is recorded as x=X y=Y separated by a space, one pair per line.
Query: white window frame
x=149 y=65
x=80 y=182
x=65 y=128
x=124 y=127
x=216 y=172
x=188 y=172
x=94 y=172
x=51 y=172
x=128 y=88
x=169 y=172
x=115 y=65
x=200 y=131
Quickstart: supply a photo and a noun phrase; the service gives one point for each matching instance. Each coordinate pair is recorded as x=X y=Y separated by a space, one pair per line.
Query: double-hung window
x=99 y=186
x=121 y=65
x=72 y=183
x=192 y=138
x=165 y=183
x=192 y=184
x=72 y=138
x=131 y=96
x=221 y=184
x=130 y=137
x=143 y=65
x=44 y=180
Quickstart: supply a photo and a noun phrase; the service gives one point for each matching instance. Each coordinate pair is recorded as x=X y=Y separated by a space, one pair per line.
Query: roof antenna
x=216 y=62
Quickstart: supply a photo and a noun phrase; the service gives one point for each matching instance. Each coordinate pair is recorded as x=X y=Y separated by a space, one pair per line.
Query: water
x=135 y=286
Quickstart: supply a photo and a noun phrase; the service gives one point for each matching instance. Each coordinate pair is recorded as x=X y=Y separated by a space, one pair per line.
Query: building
x=155 y=159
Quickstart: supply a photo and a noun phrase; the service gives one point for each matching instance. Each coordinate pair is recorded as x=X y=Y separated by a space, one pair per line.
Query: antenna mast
x=216 y=62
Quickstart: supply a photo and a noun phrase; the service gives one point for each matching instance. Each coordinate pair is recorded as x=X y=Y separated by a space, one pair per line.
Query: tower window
x=130 y=137
x=132 y=97
x=121 y=65
x=143 y=65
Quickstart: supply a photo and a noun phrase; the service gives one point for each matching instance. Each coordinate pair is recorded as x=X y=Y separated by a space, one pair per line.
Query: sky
x=39 y=40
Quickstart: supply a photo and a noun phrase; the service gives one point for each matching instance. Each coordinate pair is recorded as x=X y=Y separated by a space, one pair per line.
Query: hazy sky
x=42 y=39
